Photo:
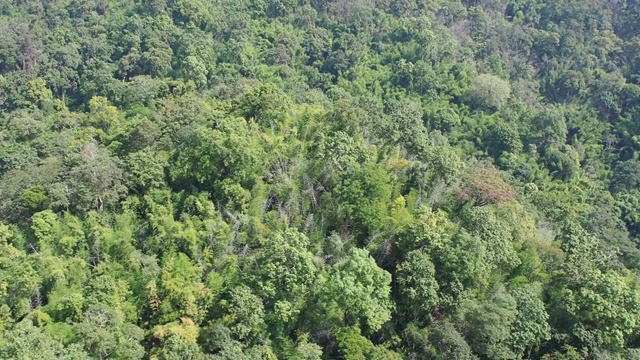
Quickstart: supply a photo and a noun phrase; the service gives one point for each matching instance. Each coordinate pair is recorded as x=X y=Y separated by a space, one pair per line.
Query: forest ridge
x=320 y=179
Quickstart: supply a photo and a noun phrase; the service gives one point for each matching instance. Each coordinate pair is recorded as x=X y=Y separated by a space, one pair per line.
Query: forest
x=320 y=179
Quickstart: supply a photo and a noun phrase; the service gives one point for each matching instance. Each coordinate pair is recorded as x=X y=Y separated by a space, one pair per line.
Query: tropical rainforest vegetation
x=319 y=179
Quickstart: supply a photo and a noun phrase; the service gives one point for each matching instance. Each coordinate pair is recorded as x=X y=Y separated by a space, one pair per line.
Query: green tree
x=597 y=307
x=449 y=344
x=365 y=194
x=181 y=290
x=204 y=156
x=488 y=92
x=550 y=127
x=284 y=273
x=107 y=328
x=266 y=105
x=26 y=341
x=353 y=345
x=146 y=170
x=19 y=279
x=95 y=179
x=418 y=285
x=245 y=313
x=490 y=326
x=531 y=325
x=361 y=290
x=194 y=70
x=176 y=340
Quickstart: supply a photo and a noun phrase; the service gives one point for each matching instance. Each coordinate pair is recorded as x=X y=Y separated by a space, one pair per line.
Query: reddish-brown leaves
x=483 y=185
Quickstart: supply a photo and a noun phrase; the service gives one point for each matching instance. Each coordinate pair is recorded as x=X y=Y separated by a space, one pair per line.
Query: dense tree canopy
x=308 y=180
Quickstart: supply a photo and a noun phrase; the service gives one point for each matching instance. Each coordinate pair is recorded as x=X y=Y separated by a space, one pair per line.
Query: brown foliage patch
x=483 y=185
